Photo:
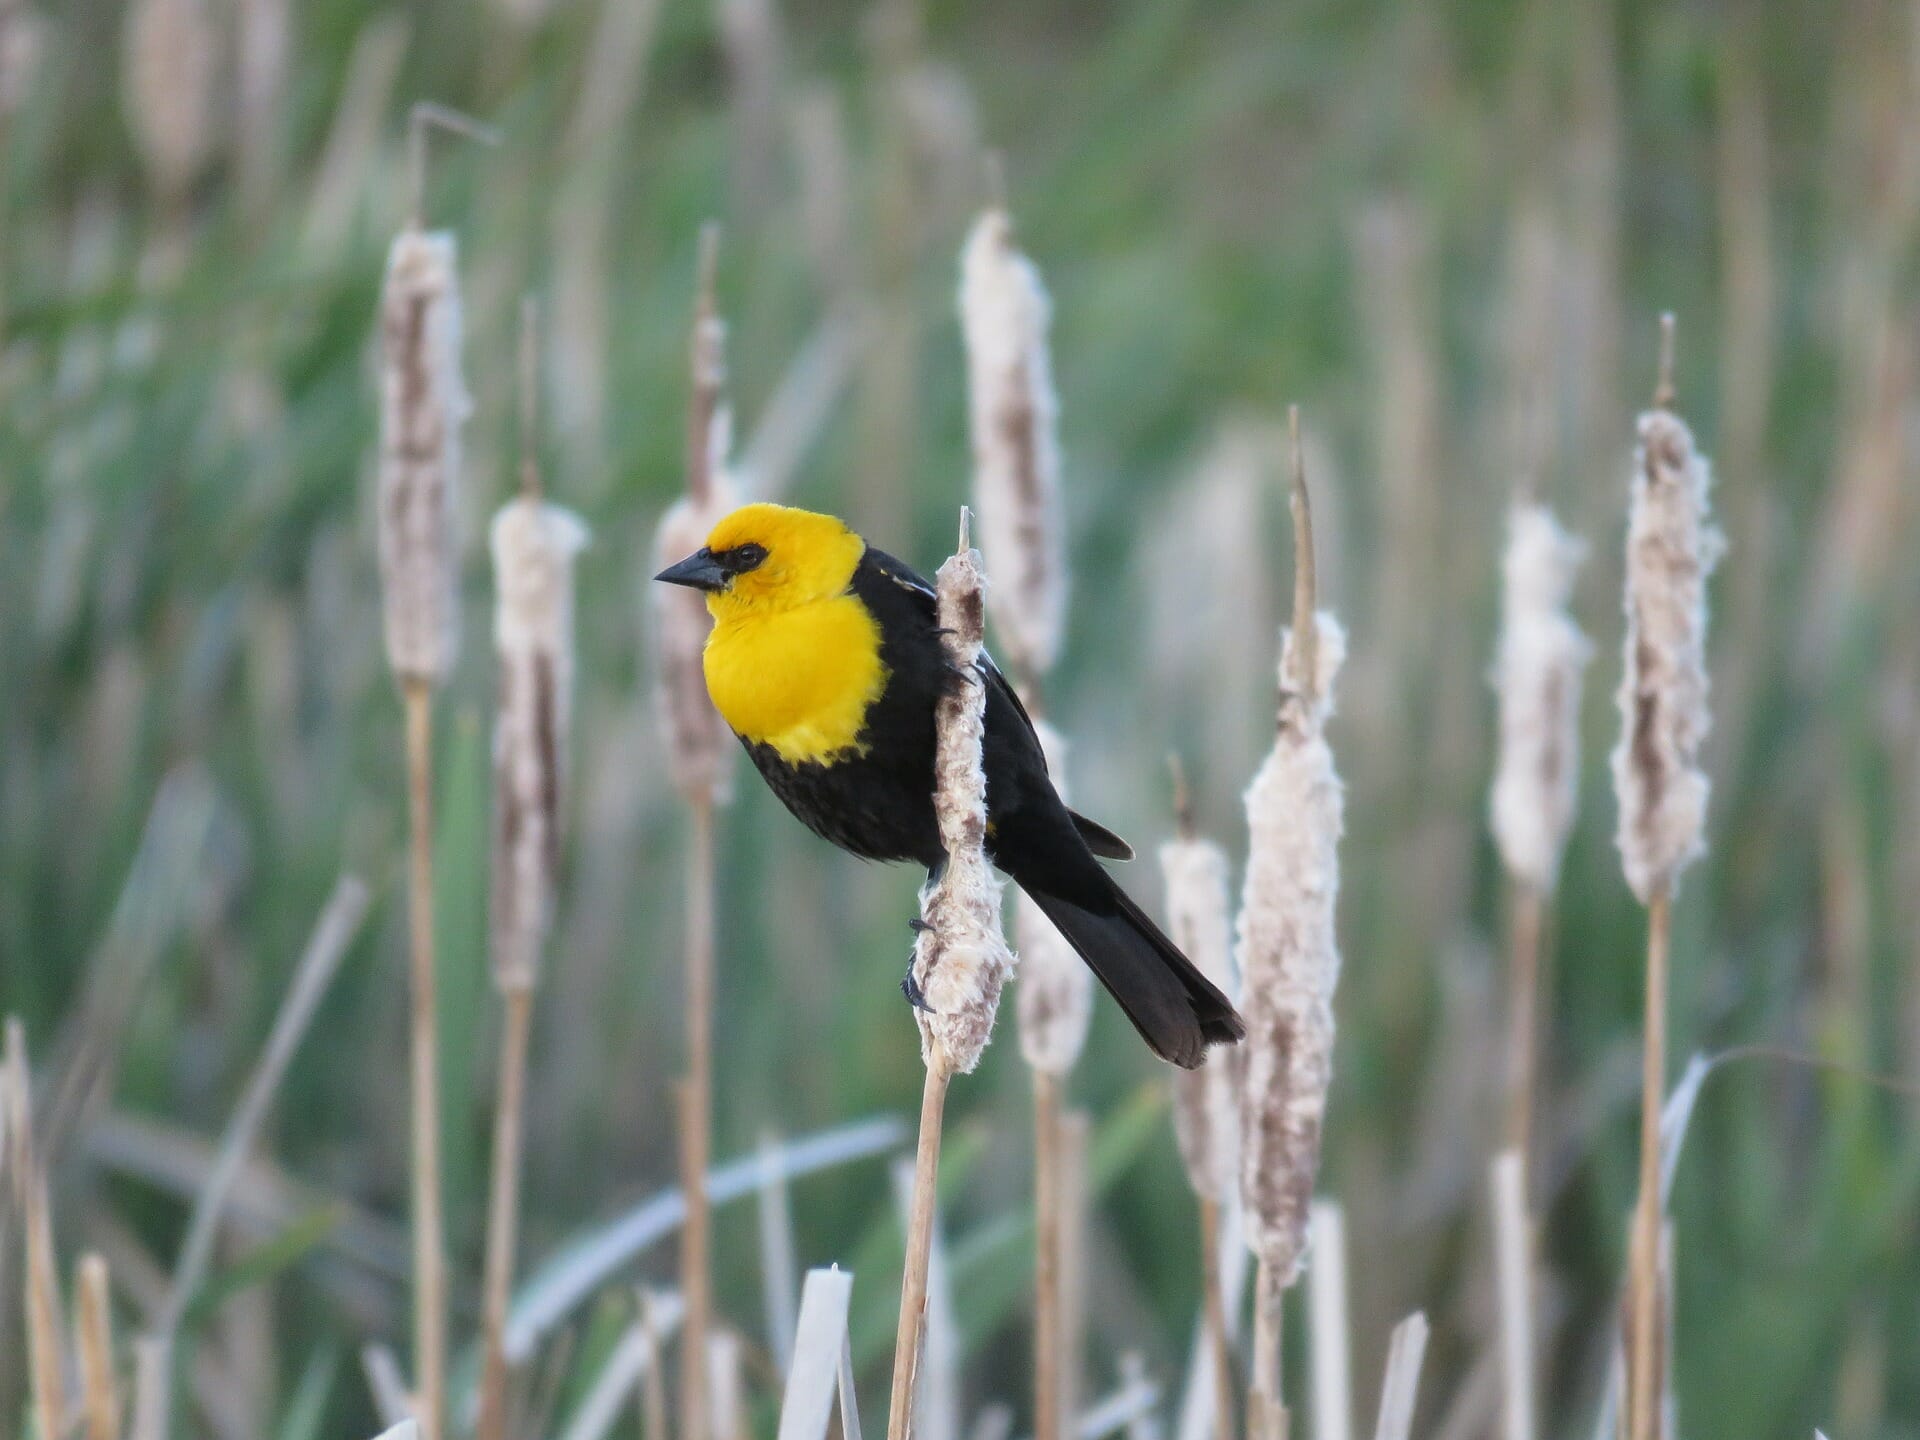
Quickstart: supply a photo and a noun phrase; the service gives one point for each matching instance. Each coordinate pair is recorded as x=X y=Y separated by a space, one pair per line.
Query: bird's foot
x=910 y=987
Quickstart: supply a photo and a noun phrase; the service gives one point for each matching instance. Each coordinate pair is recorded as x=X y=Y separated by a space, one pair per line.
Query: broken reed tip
x=1664 y=394
x=1182 y=796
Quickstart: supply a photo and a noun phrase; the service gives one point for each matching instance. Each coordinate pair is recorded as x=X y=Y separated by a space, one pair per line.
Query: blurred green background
x=1445 y=229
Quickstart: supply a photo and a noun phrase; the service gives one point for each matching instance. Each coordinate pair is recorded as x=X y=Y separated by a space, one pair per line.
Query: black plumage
x=877 y=802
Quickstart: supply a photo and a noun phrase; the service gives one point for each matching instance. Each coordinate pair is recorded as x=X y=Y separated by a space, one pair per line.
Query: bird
x=826 y=660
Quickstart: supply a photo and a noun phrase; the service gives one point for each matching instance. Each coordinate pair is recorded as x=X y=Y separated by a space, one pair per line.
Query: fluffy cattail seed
x=1672 y=547
x=534 y=545
x=960 y=960
x=1055 y=993
x=1289 y=952
x=1537 y=676
x=1206 y=1100
x=168 y=75
x=1016 y=457
x=423 y=404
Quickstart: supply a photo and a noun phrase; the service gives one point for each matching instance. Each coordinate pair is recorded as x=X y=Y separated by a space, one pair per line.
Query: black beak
x=699 y=571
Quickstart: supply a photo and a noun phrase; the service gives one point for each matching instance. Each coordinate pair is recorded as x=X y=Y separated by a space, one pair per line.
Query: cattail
x=93 y=1342
x=534 y=545
x=1055 y=994
x=699 y=745
x=167 y=72
x=1206 y=1101
x=1672 y=547
x=1289 y=960
x=423 y=404
x=960 y=960
x=1537 y=676
x=1016 y=457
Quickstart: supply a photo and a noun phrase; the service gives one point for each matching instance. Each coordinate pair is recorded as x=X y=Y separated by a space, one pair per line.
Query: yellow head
x=770 y=557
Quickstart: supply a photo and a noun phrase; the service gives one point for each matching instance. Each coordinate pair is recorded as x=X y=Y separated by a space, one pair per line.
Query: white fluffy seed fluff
x=534 y=545
x=1672 y=547
x=1055 y=993
x=1537 y=677
x=1206 y=1114
x=961 y=960
x=168 y=64
x=423 y=404
x=699 y=745
x=1004 y=314
x=1290 y=959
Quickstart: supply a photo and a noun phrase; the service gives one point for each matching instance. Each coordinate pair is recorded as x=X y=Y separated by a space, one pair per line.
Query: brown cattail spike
x=423 y=404
x=1664 y=395
x=1013 y=418
x=534 y=545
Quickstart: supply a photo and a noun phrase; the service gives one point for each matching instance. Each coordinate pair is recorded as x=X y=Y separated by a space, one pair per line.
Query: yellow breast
x=799 y=680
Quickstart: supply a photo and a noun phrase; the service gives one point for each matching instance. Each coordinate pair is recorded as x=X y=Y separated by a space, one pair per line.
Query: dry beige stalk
x=1289 y=961
x=1537 y=676
x=170 y=54
x=45 y=1325
x=99 y=1385
x=1016 y=456
x=534 y=545
x=1672 y=547
x=1054 y=999
x=423 y=404
x=961 y=960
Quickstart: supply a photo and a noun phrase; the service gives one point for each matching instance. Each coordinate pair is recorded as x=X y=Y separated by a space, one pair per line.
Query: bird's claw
x=918 y=926
x=910 y=987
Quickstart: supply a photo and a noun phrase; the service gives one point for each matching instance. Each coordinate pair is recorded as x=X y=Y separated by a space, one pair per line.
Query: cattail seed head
x=960 y=960
x=1055 y=993
x=534 y=545
x=423 y=404
x=168 y=69
x=700 y=747
x=1206 y=1102
x=1672 y=547
x=1537 y=676
x=1004 y=313
x=1290 y=956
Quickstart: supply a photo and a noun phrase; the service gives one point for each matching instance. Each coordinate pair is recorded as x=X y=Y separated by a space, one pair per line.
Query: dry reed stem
x=1525 y=934
x=1643 y=1341
x=913 y=1282
x=1047 y=1413
x=1400 y=1388
x=1214 y=1309
x=503 y=1208
x=1513 y=1266
x=1266 y=1409
x=694 y=1104
x=653 y=1394
x=1329 y=1329
x=93 y=1341
x=429 y=1242
x=43 y=1309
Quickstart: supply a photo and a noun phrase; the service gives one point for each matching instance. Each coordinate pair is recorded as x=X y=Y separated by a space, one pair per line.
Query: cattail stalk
x=423 y=404
x=1206 y=1100
x=43 y=1309
x=1289 y=962
x=93 y=1341
x=960 y=960
x=700 y=749
x=1537 y=676
x=534 y=545
x=1662 y=791
x=1004 y=315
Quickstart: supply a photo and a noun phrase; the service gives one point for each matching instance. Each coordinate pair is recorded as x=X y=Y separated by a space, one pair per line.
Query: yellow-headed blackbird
x=826 y=660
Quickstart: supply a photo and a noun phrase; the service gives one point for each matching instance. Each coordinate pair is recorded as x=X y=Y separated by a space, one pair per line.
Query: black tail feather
x=1176 y=1009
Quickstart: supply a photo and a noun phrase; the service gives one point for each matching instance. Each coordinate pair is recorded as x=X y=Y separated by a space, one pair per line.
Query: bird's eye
x=746 y=557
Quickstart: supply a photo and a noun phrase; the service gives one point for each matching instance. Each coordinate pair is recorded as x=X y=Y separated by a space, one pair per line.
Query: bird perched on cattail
x=826 y=661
